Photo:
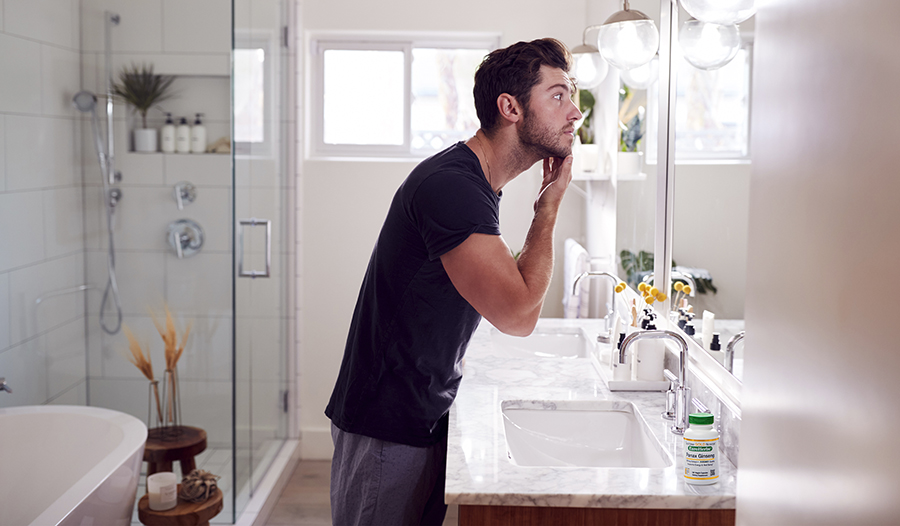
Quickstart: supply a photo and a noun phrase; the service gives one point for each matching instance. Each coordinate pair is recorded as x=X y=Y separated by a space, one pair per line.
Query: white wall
x=819 y=431
x=344 y=203
x=42 y=351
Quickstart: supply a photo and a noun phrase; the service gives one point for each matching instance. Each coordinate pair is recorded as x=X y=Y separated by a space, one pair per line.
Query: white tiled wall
x=42 y=344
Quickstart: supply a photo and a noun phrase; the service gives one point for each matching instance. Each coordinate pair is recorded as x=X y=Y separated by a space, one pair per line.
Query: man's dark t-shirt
x=410 y=328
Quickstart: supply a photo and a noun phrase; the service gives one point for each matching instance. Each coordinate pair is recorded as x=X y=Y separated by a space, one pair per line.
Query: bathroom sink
x=580 y=433
x=544 y=342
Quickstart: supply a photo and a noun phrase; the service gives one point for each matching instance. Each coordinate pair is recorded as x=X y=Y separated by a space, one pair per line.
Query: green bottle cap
x=701 y=419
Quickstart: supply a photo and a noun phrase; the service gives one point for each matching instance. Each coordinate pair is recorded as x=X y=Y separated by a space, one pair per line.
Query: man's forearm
x=535 y=263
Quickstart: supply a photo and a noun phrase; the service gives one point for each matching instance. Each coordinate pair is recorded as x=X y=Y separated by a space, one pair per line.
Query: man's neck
x=502 y=156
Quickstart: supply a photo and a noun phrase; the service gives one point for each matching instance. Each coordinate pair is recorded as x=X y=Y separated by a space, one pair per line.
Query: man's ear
x=509 y=107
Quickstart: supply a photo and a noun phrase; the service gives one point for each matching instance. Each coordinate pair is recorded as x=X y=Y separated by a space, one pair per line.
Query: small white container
x=649 y=362
x=701 y=450
x=162 y=491
x=145 y=140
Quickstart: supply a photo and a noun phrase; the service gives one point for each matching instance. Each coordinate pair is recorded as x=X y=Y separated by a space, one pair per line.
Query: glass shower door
x=263 y=247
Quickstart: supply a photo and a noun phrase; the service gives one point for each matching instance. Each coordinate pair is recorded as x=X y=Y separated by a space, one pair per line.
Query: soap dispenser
x=168 y=135
x=183 y=137
x=198 y=136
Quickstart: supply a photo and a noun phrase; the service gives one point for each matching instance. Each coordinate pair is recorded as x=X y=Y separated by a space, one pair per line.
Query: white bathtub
x=69 y=465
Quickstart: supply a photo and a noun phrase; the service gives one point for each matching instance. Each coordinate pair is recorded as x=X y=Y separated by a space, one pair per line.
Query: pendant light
x=628 y=39
x=709 y=46
x=724 y=12
x=641 y=77
x=590 y=68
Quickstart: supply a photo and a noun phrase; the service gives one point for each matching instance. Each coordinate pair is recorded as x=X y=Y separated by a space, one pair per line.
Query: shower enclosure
x=208 y=236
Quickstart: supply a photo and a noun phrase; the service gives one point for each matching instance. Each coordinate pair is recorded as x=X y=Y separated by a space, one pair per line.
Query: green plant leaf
x=143 y=89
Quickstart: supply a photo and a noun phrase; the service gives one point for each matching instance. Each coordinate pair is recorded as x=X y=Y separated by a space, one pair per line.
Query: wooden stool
x=160 y=451
x=183 y=514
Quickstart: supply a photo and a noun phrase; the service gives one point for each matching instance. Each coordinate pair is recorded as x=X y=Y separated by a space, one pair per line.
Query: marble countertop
x=479 y=471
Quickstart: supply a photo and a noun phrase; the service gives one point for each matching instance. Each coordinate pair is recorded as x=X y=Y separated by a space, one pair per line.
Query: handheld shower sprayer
x=86 y=102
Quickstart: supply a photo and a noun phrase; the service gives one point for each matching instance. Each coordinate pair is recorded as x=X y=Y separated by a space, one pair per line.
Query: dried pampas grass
x=144 y=365
x=170 y=339
x=137 y=357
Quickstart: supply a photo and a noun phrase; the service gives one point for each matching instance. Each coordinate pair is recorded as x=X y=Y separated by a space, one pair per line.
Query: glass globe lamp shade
x=709 y=46
x=628 y=43
x=724 y=12
x=641 y=77
x=590 y=68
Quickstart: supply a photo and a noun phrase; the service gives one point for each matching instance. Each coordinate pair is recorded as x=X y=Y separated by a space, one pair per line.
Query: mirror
x=711 y=184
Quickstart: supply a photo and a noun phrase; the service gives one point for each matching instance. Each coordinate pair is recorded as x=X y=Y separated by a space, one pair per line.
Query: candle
x=161 y=489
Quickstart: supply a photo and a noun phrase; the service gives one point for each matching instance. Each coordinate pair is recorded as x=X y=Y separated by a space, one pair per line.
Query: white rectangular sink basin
x=544 y=342
x=580 y=433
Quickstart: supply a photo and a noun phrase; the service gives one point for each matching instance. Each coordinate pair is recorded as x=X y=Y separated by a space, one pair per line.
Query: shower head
x=85 y=101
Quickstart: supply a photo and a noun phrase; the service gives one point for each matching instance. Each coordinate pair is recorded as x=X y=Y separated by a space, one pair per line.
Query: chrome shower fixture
x=85 y=101
x=185 y=237
x=184 y=193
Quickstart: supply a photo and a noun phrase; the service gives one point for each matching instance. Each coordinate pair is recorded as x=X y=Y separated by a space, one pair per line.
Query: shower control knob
x=185 y=237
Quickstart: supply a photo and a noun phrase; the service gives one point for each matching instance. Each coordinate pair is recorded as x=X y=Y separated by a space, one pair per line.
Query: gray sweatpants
x=379 y=483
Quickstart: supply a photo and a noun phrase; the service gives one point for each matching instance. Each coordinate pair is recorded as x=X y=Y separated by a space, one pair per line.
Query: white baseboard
x=316 y=444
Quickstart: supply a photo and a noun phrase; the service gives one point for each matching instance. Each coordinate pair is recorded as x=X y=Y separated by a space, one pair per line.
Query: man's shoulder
x=457 y=159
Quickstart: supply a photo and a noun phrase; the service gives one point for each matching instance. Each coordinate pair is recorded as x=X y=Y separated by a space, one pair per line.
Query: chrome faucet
x=4 y=386
x=682 y=392
x=611 y=317
x=729 y=350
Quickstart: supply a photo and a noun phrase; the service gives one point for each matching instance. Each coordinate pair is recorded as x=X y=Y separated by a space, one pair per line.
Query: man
x=440 y=265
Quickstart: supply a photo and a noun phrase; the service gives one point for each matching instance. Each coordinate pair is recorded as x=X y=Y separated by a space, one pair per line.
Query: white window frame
x=319 y=42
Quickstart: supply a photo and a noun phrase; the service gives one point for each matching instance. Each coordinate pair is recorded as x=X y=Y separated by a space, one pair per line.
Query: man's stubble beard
x=542 y=142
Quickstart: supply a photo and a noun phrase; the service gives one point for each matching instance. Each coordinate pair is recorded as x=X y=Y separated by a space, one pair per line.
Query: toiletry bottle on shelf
x=715 y=348
x=701 y=450
x=183 y=137
x=690 y=331
x=709 y=322
x=168 y=135
x=649 y=358
x=198 y=136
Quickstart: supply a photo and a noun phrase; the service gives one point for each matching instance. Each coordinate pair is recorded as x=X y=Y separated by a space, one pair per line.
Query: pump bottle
x=167 y=134
x=198 y=136
x=183 y=137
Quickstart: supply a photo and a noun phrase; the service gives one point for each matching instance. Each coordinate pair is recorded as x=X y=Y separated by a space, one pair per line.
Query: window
x=397 y=95
x=712 y=112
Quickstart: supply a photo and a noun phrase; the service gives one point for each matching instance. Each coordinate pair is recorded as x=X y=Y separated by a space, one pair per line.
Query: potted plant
x=143 y=89
x=629 y=159
x=587 y=151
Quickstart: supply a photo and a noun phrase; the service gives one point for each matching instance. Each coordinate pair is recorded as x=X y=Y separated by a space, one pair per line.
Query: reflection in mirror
x=712 y=175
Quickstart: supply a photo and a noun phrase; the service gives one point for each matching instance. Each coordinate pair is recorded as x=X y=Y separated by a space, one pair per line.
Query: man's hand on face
x=557 y=176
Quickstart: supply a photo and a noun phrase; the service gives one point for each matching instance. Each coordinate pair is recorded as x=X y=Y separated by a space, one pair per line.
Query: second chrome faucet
x=682 y=391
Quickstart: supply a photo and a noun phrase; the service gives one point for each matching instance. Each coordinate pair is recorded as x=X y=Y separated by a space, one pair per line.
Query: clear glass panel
x=443 y=108
x=364 y=97
x=263 y=190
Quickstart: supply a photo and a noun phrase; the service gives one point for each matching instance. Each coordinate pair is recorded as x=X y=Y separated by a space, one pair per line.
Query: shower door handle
x=255 y=273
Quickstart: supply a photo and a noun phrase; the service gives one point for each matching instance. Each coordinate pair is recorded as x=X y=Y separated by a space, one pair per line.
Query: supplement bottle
x=701 y=450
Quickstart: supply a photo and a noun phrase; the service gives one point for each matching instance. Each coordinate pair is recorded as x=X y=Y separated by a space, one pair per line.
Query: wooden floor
x=305 y=500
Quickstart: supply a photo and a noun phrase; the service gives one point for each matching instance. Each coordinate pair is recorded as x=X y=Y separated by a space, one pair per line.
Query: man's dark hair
x=514 y=70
